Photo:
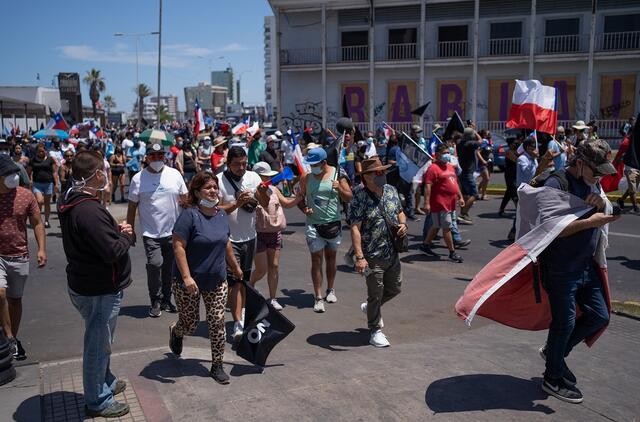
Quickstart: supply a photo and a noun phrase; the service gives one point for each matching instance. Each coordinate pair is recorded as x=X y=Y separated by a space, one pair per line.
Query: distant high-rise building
x=270 y=67
x=225 y=78
x=212 y=99
x=170 y=101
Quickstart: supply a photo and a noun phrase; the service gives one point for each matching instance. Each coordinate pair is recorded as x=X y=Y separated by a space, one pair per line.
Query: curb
x=500 y=191
x=629 y=309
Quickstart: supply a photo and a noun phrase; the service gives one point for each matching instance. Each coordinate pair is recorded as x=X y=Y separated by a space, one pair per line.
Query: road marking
x=635 y=236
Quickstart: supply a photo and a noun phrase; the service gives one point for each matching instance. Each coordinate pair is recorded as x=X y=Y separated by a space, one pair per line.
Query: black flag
x=632 y=156
x=345 y=107
x=264 y=328
x=420 y=110
x=455 y=125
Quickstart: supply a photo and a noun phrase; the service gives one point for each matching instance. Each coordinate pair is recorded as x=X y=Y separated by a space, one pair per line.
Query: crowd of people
x=211 y=221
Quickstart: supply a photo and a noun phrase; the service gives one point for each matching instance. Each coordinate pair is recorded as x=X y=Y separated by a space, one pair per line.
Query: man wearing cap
x=157 y=191
x=204 y=154
x=569 y=274
x=373 y=206
x=269 y=155
x=323 y=190
x=17 y=204
x=580 y=129
x=467 y=148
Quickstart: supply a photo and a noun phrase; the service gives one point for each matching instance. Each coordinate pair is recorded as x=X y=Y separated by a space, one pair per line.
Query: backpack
x=541 y=179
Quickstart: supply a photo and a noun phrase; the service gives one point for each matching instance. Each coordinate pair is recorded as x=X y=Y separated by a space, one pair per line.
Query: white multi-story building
x=270 y=68
x=169 y=101
x=212 y=99
x=460 y=55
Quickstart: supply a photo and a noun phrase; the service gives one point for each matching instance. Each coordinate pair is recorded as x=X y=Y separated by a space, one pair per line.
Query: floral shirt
x=376 y=240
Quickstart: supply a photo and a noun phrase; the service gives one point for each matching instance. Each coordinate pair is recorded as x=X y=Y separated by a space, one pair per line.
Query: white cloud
x=234 y=46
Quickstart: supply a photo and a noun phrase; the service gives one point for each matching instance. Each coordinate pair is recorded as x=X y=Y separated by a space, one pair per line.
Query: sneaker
x=413 y=218
x=238 y=330
x=462 y=243
x=568 y=376
x=465 y=220
x=47 y=225
x=154 y=310
x=378 y=339
x=169 y=307
x=620 y=203
x=561 y=390
x=453 y=256
x=331 y=296
x=115 y=410
x=18 y=351
x=218 y=374
x=427 y=250
x=275 y=304
x=120 y=387
x=319 y=305
x=363 y=308
x=175 y=342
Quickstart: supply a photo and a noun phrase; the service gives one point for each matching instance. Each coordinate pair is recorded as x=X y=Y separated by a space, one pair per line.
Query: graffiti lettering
x=613 y=111
x=308 y=115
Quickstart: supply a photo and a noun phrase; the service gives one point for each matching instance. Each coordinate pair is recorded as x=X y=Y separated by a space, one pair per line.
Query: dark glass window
x=562 y=35
x=506 y=38
x=621 y=32
x=402 y=43
x=355 y=46
x=453 y=41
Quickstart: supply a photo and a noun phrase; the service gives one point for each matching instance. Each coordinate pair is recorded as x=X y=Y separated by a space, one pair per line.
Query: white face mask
x=156 y=165
x=209 y=204
x=12 y=181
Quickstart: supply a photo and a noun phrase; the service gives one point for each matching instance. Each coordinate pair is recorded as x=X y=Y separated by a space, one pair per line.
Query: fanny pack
x=249 y=206
x=329 y=230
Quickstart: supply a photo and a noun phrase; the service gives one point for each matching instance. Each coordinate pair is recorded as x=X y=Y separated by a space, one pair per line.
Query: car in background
x=500 y=149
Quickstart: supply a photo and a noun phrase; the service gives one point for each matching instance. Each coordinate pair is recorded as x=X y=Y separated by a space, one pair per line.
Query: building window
x=402 y=44
x=505 y=38
x=621 y=32
x=562 y=35
x=354 y=46
x=453 y=41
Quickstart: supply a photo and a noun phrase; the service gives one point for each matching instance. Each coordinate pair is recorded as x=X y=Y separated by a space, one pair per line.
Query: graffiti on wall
x=306 y=114
x=617 y=96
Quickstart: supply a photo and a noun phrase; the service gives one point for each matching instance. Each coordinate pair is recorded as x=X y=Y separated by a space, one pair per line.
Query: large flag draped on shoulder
x=508 y=289
x=264 y=329
x=533 y=107
x=198 y=118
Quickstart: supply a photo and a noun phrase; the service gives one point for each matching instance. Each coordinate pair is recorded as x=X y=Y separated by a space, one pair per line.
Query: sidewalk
x=488 y=373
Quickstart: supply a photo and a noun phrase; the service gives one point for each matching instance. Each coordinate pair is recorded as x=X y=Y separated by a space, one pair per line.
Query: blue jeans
x=99 y=314
x=565 y=290
x=454 y=228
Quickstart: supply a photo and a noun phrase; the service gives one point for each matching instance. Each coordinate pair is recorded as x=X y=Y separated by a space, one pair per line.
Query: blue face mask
x=445 y=158
x=452 y=150
x=369 y=141
x=316 y=170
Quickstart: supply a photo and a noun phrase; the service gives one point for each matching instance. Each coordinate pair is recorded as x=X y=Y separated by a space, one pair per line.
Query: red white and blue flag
x=241 y=127
x=533 y=107
x=303 y=168
x=198 y=118
x=57 y=122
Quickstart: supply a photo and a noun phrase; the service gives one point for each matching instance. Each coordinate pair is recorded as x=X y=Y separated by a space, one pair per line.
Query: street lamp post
x=240 y=83
x=137 y=37
x=159 y=56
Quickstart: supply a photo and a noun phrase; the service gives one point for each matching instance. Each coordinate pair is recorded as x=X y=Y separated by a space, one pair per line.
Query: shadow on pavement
x=135 y=311
x=239 y=370
x=345 y=268
x=167 y=369
x=72 y=403
x=340 y=341
x=492 y=215
x=297 y=224
x=479 y=392
x=500 y=244
x=632 y=264
x=55 y=234
x=297 y=298
x=409 y=259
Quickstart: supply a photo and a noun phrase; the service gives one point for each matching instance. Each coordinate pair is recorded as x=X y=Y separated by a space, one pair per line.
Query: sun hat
x=315 y=156
x=264 y=169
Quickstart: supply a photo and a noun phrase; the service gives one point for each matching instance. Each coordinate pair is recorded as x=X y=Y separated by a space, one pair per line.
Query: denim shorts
x=468 y=184
x=43 y=188
x=317 y=243
x=443 y=219
x=13 y=275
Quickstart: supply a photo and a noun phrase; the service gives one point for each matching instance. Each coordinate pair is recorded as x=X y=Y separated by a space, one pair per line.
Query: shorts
x=294 y=169
x=468 y=184
x=633 y=180
x=13 y=275
x=317 y=243
x=244 y=252
x=443 y=219
x=266 y=241
x=43 y=188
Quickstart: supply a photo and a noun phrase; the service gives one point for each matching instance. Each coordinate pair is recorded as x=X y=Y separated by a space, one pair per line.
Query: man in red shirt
x=441 y=195
x=16 y=205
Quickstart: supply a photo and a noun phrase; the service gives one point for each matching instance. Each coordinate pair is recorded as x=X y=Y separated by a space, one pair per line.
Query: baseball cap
x=278 y=133
x=315 y=155
x=7 y=166
x=264 y=169
x=155 y=148
x=271 y=138
x=416 y=128
x=597 y=152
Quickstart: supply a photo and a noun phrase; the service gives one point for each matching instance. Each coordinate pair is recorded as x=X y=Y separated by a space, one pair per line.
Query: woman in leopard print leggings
x=202 y=252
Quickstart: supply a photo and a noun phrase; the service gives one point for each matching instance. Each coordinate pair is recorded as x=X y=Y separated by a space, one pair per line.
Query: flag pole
x=416 y=144
x=341 y=141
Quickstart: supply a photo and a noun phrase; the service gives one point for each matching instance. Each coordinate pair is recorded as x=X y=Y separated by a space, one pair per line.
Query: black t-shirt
x=270 y=157
x=42 y=170
x=467 y=155
x=510 y=167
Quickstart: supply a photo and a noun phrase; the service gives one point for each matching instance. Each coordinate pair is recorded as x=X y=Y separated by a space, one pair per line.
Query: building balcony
x=616 y=42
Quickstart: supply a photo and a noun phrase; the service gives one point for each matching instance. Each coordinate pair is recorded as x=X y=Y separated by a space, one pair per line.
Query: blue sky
x=45 y=37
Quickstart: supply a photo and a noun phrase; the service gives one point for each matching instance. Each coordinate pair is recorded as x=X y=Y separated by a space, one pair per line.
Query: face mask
x=232 y=176
x=156 y=165
x=316 y=170
x=590 y=184
x=369 y=141
x=207 y=143
x=381 y=180
x=209 y=204
x=11 y=181
x=445 y=158
x=452 y=150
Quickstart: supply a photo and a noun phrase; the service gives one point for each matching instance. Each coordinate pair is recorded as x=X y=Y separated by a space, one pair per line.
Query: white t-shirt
x=126 y=144
x=287 y=149
x=242 y=223
x=157 y=195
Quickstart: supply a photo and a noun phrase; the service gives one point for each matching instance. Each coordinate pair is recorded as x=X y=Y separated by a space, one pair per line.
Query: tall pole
x=324 y=65
x=137 y=71
x=532 y=37
x=159 y=59
x=372 y=52
x=279 y=74
x=474 y=104
x=422 y=48
x=592 y=44
x=2 y=116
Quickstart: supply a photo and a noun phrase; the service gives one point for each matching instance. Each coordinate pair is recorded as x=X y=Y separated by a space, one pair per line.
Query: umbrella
x=51 y=133
x=151 y=135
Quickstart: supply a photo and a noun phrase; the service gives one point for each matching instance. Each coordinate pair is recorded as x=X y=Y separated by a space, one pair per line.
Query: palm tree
x=109 y=103
x=96 y=86
x=164 y=113
x=142 y=91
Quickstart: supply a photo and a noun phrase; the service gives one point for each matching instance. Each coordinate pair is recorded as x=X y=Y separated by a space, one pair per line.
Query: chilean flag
x=533 y=107
x=297 y=155
x=241 y=127
x=58 y=122
x=198 y=118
